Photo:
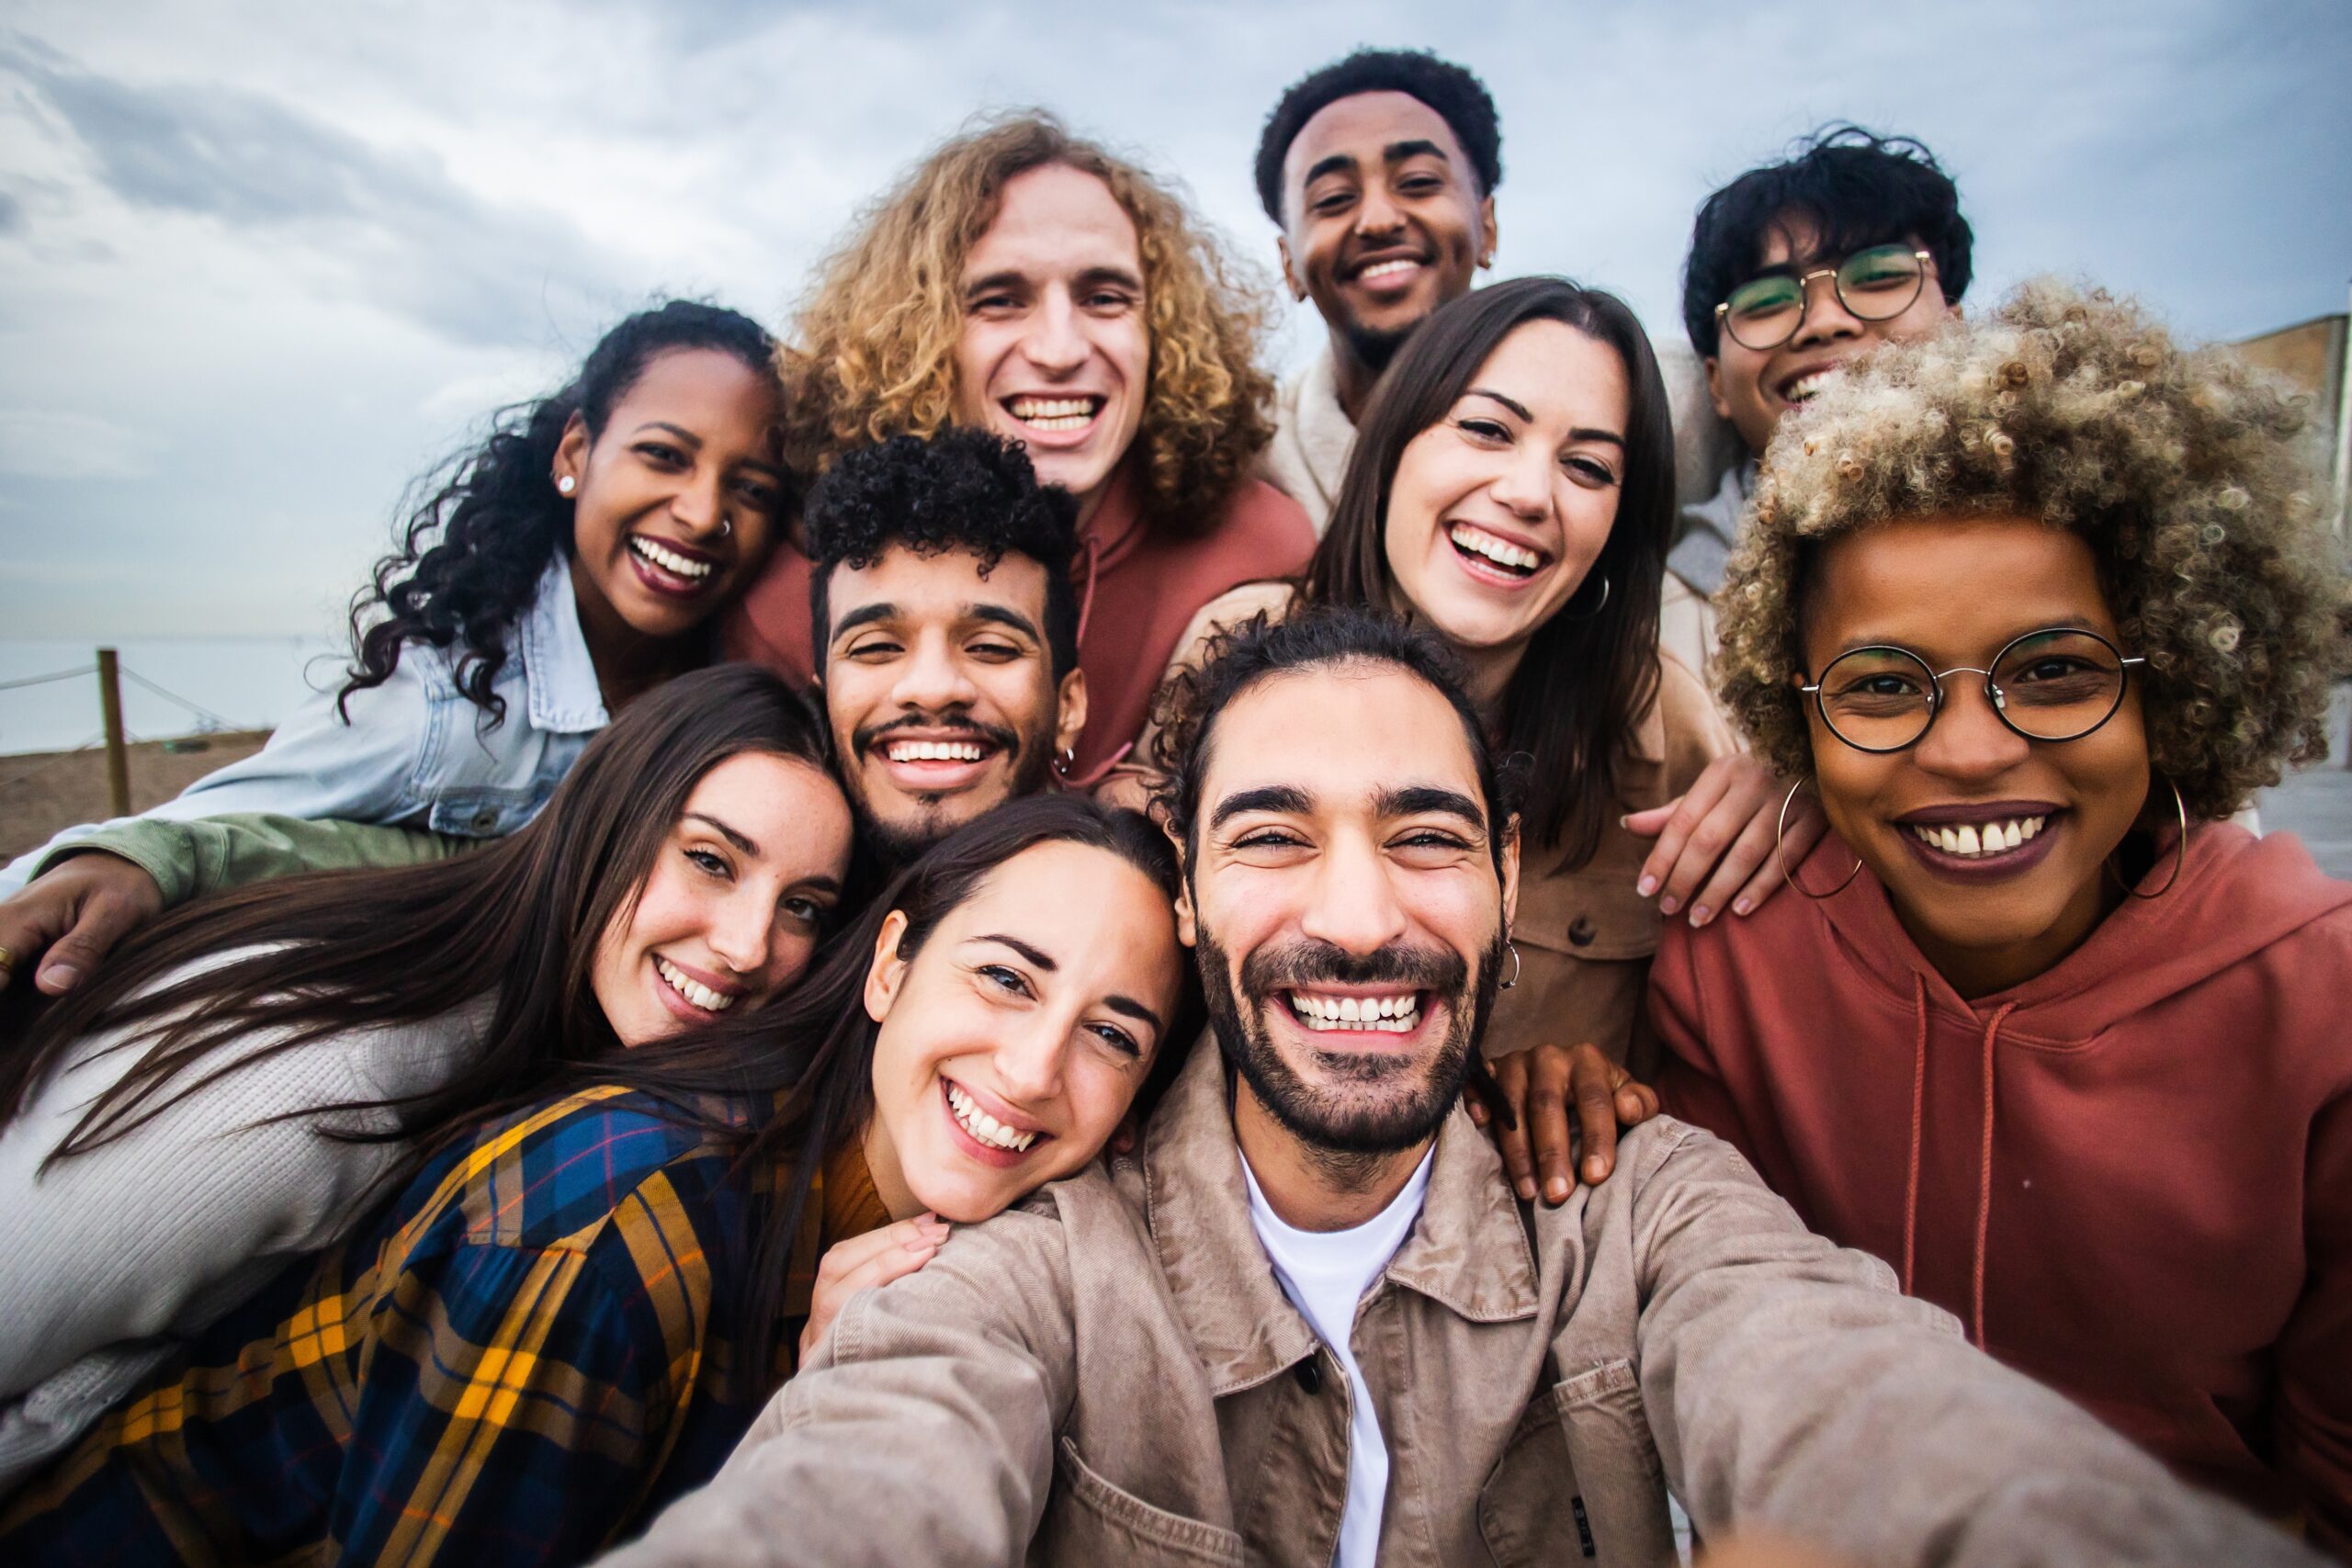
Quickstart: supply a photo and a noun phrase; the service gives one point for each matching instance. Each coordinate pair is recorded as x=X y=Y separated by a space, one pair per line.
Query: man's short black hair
x=961 y=489
x=1458 y=98
x=1857 y=189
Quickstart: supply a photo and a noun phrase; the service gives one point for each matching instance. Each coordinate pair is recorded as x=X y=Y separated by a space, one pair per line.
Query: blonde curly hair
x=2184 y=469
x=874 y=353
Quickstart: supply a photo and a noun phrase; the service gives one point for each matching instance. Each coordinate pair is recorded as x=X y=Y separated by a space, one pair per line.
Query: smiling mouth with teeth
x=1493 y=550
x=985 y=1128
x=1378 y=1015
x=1805 y=387
x=1387 y=269
x=668 y=559
x=1974 y=840
x=934 y=750
x=1054 y=413
x=693 y=991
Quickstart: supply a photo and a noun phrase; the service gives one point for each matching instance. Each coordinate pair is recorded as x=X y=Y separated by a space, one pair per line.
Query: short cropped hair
x=1458 y=98
x=1311 y=636
x=2182 y=469
x=1855 y=187
x=960 y=490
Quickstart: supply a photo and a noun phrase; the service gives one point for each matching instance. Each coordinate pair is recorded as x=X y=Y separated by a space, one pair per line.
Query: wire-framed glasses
x=1874 y=285
x=2057 y=684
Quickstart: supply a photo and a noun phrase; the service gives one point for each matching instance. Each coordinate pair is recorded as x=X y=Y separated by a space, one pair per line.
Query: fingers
x=1550 y=1071
x=1749 y=853
x=1807 y=824
x=1511 y=1076
x=859 y=1262
x=106 y=917
x=1683 y=818
x=29 y=923
x=1594 y=1079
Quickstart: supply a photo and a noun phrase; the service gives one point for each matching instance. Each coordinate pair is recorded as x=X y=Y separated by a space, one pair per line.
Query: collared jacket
x=1111 y=1374
x=1312 y=440
x=416 y=753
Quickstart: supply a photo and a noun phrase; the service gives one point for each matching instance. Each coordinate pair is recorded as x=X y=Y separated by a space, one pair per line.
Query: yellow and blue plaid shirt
x=519 y=1358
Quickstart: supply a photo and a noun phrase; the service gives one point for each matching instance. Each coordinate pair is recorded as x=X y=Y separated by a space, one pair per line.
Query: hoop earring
x=1588 y=614
x=726 y=526
x=1064 y=760
x=2179 y=850
x=1512 y=948
x=1781 y=850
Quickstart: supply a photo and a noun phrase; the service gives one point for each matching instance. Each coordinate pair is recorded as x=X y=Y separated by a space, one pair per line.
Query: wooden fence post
x=118 y=758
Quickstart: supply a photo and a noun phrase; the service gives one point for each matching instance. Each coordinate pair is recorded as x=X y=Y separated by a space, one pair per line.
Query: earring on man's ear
x=565 y=484
x=1512 y=948
x=1781 y=850
x=1064 y=760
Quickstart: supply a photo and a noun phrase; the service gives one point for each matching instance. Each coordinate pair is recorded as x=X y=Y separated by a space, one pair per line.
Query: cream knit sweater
x=113 y=1256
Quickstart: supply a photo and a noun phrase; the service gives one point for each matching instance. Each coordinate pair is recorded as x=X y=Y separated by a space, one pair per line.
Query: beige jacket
x=1112 y=1375
x=1313 y=435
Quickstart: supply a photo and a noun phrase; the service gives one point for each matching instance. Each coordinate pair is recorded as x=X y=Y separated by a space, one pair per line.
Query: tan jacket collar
x=1468 y=1251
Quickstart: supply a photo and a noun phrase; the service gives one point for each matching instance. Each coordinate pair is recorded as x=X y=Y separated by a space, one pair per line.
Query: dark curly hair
x=960 y=490
x=1312 y=637
x=1856 y=188
x=1459 y=99
x=472 y=552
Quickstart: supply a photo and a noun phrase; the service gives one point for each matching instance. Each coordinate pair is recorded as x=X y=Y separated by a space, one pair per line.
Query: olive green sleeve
x=208 y=854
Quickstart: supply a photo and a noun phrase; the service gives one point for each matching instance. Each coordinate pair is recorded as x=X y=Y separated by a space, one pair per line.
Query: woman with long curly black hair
x=566 y=566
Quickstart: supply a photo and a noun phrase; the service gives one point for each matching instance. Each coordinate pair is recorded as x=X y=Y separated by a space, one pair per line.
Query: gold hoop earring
x=2179 y=850
x=1781 y=850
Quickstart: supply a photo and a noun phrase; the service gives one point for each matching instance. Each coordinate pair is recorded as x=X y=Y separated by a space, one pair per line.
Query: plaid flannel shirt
x=521 y=1355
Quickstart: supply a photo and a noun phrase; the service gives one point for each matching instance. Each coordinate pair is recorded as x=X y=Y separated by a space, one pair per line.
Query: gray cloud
x=401 y=232
x=12 y=215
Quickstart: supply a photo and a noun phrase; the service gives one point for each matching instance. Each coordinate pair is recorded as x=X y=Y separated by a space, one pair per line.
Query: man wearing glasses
x=1795 y=268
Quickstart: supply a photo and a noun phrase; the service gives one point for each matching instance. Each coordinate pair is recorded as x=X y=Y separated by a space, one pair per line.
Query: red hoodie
x=2131 y=1175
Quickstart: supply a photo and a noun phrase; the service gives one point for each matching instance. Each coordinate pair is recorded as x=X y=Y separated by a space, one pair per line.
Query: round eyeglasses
x=1875 y=284
x=2058 y=684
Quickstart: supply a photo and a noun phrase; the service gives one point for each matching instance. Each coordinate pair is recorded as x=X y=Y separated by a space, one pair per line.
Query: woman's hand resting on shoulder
x=1542 y=1085
x=1714 y=845
x=875 y=1258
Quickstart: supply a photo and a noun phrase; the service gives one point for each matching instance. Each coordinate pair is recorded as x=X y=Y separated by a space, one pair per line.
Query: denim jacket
x=416 y=753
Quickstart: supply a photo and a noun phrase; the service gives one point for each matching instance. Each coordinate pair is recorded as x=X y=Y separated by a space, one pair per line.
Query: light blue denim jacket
x=416 y=753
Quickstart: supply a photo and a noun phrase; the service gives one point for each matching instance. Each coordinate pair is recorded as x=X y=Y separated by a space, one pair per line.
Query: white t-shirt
x=1326 y=1274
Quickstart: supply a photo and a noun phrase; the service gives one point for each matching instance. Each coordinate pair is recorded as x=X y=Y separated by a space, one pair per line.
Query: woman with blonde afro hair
x=2036 y=602
x=1029 y=282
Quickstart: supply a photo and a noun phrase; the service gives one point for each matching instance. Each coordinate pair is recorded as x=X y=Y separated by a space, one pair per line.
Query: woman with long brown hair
x=575 y=1307
x=252 y=1067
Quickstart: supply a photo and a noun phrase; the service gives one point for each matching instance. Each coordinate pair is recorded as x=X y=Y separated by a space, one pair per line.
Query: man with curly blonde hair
x=1028 y=282
x=2039 y=601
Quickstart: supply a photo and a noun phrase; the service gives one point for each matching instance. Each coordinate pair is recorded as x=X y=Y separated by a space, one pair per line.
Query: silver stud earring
x=565 y=484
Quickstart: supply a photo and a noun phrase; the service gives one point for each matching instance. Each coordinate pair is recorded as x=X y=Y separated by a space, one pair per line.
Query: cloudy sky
x=261 y=262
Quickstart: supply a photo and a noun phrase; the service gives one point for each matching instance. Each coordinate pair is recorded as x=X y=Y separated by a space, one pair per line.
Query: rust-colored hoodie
x=2131 y=1175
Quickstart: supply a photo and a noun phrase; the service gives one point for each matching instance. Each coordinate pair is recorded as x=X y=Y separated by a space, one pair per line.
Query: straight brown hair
x=1587 y=679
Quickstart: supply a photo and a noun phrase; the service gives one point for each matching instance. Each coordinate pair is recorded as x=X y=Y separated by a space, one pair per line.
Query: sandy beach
x=41 y=792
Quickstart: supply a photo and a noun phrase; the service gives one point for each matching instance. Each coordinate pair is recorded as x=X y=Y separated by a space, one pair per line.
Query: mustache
x=1270 y=969
x=863 y=736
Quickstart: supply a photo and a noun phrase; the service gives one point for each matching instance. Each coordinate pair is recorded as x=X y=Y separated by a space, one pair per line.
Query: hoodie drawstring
x=1092 y=552
x=1984 y=1158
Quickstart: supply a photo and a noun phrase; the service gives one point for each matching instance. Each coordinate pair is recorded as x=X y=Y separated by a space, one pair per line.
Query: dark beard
x=901 y=843
x=1335 y=1121
x=1374 y=349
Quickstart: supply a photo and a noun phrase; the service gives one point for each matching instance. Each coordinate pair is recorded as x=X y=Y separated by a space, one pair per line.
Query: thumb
x=73 y=956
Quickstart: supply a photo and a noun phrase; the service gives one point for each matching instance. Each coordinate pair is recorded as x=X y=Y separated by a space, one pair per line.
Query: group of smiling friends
x=690 y=1051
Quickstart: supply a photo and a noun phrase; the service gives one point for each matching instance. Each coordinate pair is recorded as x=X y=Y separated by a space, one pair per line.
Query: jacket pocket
x=1531 y=1510
x=485 y=812
x=1615 y=1458
x=1089 y=1520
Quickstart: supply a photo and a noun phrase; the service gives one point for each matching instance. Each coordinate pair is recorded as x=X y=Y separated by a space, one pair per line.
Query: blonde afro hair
x=2184 y=469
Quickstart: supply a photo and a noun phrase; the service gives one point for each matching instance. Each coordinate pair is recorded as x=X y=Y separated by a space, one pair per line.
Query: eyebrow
x=679 y=431
x=731 y=836
x=1411 y=800
x=1012 y=278
x=1115 y=1002
x=1397 y=151
x=1272 y=798
x=889 y=610
x=1577 y=433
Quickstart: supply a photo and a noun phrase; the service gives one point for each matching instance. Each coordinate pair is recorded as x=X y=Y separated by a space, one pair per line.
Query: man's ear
x=888 y=971
x=1069 y=718
x=1487 y=227
x=572 y=453
x=1290 y=274
x=1188 y=930
x=1510 y=874
x=1715 y=386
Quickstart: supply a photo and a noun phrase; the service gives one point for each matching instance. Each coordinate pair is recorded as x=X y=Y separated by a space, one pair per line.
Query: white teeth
x=1388 y=269
x=1976 y=840
x=1383 y=1015
x=1476 y=540
x=1054 y=413
x=935 y=751
x=693 y=991
x=669 y=560
x=985 y=1127
x=1805 y=387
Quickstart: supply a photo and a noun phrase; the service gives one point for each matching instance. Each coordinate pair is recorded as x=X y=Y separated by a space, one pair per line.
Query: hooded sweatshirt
x=2129 y=1176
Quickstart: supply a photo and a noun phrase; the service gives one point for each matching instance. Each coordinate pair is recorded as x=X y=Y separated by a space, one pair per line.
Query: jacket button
x=1309 y=1374
x=485 y=819
x=1581 y=933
